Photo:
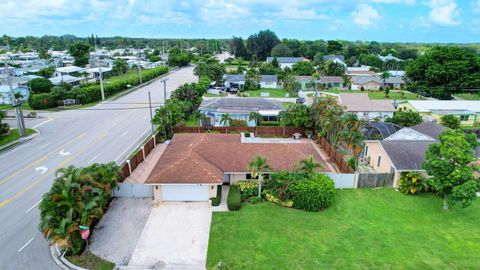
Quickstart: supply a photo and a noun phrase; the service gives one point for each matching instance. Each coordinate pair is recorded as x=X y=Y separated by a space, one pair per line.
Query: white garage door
x=189 y=193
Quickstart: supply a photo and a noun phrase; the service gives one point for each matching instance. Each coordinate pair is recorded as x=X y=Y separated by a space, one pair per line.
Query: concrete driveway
x=175 y=237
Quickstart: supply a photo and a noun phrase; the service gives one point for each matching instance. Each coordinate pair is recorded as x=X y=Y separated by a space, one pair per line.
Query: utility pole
x=164 y=81
x=151 y=114
x=101 y=77
x=139 y=68
x=16 y=106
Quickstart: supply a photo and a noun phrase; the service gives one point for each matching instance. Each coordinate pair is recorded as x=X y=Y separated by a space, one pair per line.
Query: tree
x=384 y=76
x=308 y=165
x=6 y=40
x=444 y=70
x=450 y=121
x=275 y=62
x=40 y=85
x=268 y=69
x=80 y=52
x=371 y=60
x=43 y=54
x=303 y=68
x=333 y=69
x=406 y=118
x=120 y=67
x=334 y=47
x=4 y=127
x=237 y=48
x=255 y=116
x=447 y=162
x=281 y=50
x=257 y=167
x=226 y=119
x=211 y=69
x=260 y=45
x=46 y=72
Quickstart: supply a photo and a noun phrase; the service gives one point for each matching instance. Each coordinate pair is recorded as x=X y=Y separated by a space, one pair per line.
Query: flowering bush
x=413 y=183
x=248 y=189
x=271 y=198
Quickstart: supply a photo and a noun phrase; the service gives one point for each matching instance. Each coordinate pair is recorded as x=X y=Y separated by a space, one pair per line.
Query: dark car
x=300 y=100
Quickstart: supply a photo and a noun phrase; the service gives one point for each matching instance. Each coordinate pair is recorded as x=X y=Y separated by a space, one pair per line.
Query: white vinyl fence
x=343 y=180
x=127 y=190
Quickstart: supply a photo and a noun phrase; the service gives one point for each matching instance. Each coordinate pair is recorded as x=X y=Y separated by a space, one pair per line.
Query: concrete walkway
x=222 y=207
x=143 y=170
x=175 y=237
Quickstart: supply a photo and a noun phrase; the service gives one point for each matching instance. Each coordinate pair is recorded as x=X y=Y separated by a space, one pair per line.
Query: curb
x=61 y=261
x=20 y=141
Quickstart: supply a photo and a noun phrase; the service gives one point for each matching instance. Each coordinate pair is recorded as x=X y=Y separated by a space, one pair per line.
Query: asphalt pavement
x=109 y=131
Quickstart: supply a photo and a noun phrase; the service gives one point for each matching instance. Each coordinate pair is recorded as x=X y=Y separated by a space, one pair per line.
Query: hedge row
x=216 y=200
x=234 y=199
x=89 y=93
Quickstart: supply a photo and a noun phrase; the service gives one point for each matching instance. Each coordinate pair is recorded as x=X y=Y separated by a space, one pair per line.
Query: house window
x=378 y=161
x=464 y=117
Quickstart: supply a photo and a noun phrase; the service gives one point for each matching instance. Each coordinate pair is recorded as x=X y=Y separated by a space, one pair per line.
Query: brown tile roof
x=330 y=79
x=204 y=158
x=360 y=102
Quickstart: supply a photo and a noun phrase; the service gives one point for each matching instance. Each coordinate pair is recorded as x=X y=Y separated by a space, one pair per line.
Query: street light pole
x=139 y=68
x=164 y=81
x=101 y=77
x=16 y=106
x=151 y=114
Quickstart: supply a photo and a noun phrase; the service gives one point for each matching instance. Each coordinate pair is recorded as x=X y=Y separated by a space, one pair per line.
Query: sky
x=456 y=21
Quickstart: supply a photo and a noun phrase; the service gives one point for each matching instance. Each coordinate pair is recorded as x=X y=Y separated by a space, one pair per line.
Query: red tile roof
x=204 y=158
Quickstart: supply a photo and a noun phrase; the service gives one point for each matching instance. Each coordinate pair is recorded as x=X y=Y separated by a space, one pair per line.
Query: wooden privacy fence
x=375 y=180
x=334 y=156
x=259 y=131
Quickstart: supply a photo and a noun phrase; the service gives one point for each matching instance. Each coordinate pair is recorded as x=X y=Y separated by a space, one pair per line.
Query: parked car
x=300 y=100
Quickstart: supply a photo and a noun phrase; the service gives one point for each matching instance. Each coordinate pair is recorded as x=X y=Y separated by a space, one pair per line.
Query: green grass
x=191 y=122
x=90 y=261
x=25 y=106
x=223 y=94
x=380 y=94
x=273 y=92
x=468 y=96
x=14 y=135
x=363 y=229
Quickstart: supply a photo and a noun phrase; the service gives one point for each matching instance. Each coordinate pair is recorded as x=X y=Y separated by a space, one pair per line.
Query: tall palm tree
x=257 y=117
x=257 y=167
x=308 y=165
x=385 y=75
x=226 y=121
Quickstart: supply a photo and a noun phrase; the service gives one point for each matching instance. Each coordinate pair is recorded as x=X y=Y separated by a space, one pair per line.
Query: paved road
x=79 y=137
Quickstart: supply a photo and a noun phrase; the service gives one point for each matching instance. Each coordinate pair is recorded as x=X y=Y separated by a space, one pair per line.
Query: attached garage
x=185 y=193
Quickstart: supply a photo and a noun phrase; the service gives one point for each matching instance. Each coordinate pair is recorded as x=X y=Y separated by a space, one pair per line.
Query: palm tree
x=226 y=120
x=314 y=82
x=385 y=75
x=257 y=117
x=308 y=165
x=257 y=167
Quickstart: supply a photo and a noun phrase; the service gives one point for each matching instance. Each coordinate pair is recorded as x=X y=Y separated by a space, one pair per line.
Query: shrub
x=271 y=198
x=255 y=200
x=248 y=189
x=413 y=183
x=314 y=193
x=238 y=123
x=270 y=124
x=234 y=199
x=40 y=85
x=4 y=128
x=216 y=200
x=42 y=101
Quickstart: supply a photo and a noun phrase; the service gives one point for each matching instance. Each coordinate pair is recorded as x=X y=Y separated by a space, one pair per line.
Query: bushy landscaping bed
x=14 y=135
x=363 y=229
x=90 y=261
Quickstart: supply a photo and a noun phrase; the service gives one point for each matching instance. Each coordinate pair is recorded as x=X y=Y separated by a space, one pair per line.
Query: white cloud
x=407 y=2
x=365 y=15
x=444 y=12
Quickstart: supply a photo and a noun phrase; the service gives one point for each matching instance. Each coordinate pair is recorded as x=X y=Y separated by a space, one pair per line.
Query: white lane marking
x=26 y=244
x=41 y=169
x=125 y=133
x=43 y=123
x=35 y=205
x=64 y=153
x=91 y=160
x=132 y=144
x=43 y=146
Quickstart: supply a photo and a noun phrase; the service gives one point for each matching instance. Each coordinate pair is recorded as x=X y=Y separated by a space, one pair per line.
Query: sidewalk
x=222 y=207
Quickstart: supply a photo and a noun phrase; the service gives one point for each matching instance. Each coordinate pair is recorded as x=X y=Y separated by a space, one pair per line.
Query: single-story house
x=5 y=97
x=339 y=59
x=395 y=82
x=94 y=73
x=324 y=82
x=70 y=70
x=284 y=62
x=367 y=82
x=240 y=109
x=402 y=151
x=193 y=166
x=366 y=108
x=72 y=80
x=468 y=111
x=238 y=81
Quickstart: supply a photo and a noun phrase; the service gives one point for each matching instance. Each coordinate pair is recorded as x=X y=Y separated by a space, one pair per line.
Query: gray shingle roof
x=431 y=129
x=241 y=78
x=395 y=79
x=406 y=155
x=360 y=80
x=240 y=104
x=285 y=60
x=333 y=56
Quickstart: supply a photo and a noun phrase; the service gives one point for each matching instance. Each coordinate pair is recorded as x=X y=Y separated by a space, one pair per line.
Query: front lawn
x=364 y=229
x=90 y=261
x=14 y=135
x=273 y=92
x=381 y=95
x=468 y=96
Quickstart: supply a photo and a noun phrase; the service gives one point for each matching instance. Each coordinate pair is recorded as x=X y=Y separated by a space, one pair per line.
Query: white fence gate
x=127 y=190
x=342 y=180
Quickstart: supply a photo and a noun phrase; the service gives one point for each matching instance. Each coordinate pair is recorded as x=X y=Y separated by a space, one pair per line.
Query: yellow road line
x=62 y=164
x=36 y=162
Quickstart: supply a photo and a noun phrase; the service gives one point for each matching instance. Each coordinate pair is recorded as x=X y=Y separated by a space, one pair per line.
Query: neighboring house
x=389 y=57
x=366 y=108
x=94 y=73
x=402 y=151
x=395 y=82
x=240 y=109
x=70 y=70
x=399 y=73
x=237 y=81
x=5 y=97
x=367 y=82
x=194 y=165
x=468 y=111
x=324 y=82
x=284 y=62
x=339 y=59
x=72 y=80
x=367 y=73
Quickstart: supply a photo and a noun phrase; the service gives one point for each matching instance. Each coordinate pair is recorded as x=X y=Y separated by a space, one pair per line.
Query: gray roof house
x=239 y=109
x=238 y=81
x=286 y=61
x=366 y=108
x=332 y=57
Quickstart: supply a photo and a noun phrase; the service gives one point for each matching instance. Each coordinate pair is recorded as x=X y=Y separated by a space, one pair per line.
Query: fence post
x=129 y=167
x=154 y=141
x=143 y=152
x=355 y=181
